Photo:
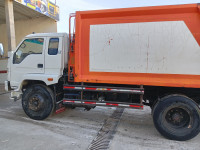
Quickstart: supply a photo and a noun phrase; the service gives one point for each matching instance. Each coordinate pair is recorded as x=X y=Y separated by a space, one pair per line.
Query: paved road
x=76 y=129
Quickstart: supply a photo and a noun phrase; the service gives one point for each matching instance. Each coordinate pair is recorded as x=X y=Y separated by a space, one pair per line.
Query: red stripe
x=68 y=101
x=136 y=106
x=3 y=71
x=69 y=87
x=88 y=88
x=108 y=89
x=90 y=102
x=109 y=104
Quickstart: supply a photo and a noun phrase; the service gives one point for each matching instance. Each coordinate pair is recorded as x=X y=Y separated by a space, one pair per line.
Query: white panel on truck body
x=152 y=47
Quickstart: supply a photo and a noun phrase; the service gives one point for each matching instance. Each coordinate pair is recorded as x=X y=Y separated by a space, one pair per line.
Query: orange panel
x=187 y=13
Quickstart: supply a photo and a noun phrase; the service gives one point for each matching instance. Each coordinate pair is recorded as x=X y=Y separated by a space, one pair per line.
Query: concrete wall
x=3 y=66
x=23 y=28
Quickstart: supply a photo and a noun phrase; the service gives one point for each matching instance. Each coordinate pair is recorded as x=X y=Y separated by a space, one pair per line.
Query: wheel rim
x=178 y=117
x=36 y=103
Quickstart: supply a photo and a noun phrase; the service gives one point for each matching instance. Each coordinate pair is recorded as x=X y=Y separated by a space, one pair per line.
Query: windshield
x=28 y=47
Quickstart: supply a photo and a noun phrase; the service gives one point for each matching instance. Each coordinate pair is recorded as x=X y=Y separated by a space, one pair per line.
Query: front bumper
x=7 y=86
x=16 y=95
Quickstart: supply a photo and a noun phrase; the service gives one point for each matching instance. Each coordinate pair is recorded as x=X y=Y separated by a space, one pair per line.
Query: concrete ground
x=75 y=129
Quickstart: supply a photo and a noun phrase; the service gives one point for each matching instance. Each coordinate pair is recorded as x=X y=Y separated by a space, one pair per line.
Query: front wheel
x=177 y=117
x=38 y=102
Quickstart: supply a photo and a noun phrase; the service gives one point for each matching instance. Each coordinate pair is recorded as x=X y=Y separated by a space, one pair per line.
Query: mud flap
x=59 y=107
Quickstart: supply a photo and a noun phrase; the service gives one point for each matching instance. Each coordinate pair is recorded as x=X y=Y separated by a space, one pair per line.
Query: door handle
x=40 y=65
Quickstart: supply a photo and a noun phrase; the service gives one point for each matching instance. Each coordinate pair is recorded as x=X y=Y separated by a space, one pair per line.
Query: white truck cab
x=39 y=57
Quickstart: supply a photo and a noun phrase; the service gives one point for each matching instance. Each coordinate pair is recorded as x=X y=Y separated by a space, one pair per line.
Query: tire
x=38 y=102
x=177 y=117
x=43 y=8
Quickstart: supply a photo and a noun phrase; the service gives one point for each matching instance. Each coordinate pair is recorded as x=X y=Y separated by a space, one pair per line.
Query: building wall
x=3 y=67
x=23 y=28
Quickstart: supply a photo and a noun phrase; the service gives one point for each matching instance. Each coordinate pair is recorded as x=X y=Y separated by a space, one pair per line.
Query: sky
x=71 y=6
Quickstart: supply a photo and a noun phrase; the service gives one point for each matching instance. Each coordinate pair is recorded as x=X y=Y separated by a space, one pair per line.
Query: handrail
x=72 y=15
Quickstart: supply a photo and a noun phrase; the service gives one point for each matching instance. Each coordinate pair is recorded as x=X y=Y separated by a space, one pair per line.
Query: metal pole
x=141 y=96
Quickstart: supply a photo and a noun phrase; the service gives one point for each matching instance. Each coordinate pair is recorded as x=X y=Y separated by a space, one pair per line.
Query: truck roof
x=46 y=34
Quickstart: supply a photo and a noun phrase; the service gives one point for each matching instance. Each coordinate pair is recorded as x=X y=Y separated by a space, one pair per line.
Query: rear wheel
x=177 y=117
x=38 y=102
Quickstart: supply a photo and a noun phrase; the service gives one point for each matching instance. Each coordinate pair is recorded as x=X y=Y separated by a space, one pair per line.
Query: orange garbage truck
x=126 y=58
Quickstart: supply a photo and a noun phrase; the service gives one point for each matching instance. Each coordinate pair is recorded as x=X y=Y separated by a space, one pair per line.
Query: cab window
x=28 y=47
x=53 y=46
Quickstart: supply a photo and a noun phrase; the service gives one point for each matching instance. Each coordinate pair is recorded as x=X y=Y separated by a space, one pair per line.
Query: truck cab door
x=28 y=59
x=54 y=62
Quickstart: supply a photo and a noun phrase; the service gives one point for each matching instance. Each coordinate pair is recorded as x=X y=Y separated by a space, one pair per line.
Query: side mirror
x=1 y=50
